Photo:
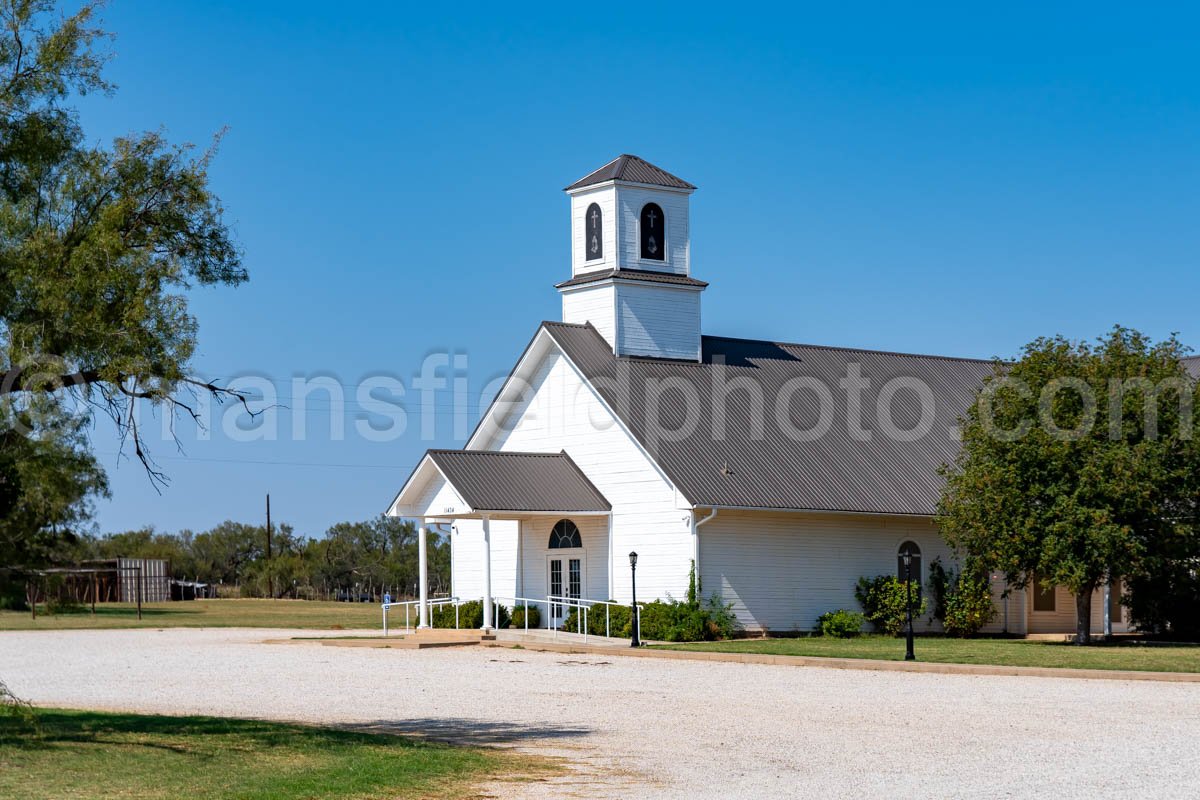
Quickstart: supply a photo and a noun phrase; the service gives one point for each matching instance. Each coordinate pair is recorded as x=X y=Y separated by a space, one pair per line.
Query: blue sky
x=930 y=179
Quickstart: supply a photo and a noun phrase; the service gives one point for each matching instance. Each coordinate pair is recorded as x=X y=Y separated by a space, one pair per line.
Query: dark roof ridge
x=844 y=349
x=627 y=274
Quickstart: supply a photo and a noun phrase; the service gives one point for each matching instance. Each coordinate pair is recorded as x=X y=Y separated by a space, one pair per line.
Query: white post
x=520 y=561
x=1108 y=610
x=423 y=571
x=612 y=592
x=487 y=574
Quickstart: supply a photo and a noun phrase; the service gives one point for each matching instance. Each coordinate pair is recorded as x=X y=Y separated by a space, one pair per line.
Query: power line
x=263 y=462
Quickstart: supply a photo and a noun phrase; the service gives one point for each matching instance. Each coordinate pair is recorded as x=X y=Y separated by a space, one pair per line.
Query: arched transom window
x=593 y=227
x=654 y=232
x=914 y=568
x=565 y=535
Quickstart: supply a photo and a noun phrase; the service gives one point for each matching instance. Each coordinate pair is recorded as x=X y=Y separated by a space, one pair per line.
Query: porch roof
x=489 y=481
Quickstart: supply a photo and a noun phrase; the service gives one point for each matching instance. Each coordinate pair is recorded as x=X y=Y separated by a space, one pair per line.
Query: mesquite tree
x=98 y=244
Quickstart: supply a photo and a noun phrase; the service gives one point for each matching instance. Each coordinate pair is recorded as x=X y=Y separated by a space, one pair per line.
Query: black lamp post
x=906 y=556
x=635 y=640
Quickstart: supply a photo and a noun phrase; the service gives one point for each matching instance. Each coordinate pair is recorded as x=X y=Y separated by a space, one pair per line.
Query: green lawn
x=207 y=614
x=1130 y=655
x=81 y=754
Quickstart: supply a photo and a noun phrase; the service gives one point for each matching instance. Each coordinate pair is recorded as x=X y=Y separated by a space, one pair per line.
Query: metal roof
x=1192 y=365
x=645 y=275
x=630 y=169
x=489 y=480
x=744 y=468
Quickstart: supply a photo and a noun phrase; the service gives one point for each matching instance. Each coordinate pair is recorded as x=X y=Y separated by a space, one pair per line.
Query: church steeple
x=631 y=260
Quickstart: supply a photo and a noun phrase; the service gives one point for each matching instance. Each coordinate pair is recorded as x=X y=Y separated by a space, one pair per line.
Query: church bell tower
x=631 y=261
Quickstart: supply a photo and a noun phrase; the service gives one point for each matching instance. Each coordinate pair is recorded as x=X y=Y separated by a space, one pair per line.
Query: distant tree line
x=355 y=560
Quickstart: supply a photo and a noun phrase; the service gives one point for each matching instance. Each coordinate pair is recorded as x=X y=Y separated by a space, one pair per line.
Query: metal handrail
x=408 y=604
x=585 y=606
x=549 y=601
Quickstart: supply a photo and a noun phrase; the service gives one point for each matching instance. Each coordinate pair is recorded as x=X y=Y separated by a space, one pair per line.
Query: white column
x=520 y=561
x=423 y=571
x=487 y=574
x=612 y=592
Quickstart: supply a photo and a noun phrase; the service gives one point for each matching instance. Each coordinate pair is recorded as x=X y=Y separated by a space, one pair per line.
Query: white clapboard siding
x=562 y=412
x=607 y=200
x=782 y=571
x=535 y=545
x=1010 y=611
x=466 y=568
x=437 y=497
x=675 y=206
x=658 y=321
x=594 y=304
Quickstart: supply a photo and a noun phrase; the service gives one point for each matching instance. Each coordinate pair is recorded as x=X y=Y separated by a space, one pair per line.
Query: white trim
x=392 y=509
x=666 y=249
x=486 y=421
x=614 y=182
x=487 y=416
x=616 y=312
x=601 y=258
x=614 y=279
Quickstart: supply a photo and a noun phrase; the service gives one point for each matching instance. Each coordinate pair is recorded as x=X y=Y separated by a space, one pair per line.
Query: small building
x=783 y=472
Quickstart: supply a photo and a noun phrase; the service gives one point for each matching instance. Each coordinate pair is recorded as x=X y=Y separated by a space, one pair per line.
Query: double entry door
x=565 y=574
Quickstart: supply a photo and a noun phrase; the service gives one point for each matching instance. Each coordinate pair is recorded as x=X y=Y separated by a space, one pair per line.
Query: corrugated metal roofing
x=632 y=170
x=645 y=275
x=1193 y=366
x=740 y=467
x=495 y=481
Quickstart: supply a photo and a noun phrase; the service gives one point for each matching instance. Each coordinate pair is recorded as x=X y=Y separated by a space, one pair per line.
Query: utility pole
x=270 y=580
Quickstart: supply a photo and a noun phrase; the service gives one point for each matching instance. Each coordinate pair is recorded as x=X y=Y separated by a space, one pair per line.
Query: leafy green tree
x=1077 y=461
x=98 y=245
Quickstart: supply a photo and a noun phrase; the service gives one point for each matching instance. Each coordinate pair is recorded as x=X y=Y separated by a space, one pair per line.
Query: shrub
x=664 y=620
x=675 y=621
x=840 y=624
x=962 y=602
x=969 y=607
x=470 y=615
x=518 y=616
x=884 y=600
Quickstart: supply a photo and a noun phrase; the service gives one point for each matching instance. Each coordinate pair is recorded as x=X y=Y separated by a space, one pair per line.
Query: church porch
x=523 y=528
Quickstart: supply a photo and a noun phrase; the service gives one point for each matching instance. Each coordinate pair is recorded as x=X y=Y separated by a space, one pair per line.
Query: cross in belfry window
x=652 y=215
x=595 y=214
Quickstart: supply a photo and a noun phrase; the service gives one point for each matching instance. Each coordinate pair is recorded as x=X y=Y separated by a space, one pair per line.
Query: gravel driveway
x=656 y=728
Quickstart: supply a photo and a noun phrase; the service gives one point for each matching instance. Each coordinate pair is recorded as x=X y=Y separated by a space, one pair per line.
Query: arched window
x=653 y=227
x=564 y=535
x=914 y=568
x=593 y=228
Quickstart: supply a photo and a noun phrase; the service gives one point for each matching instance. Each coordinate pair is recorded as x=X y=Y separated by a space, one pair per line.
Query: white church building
x=783 y=472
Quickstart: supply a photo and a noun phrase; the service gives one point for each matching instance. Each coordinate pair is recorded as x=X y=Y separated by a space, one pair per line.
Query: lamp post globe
x=634 y=639
x=906 y=558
